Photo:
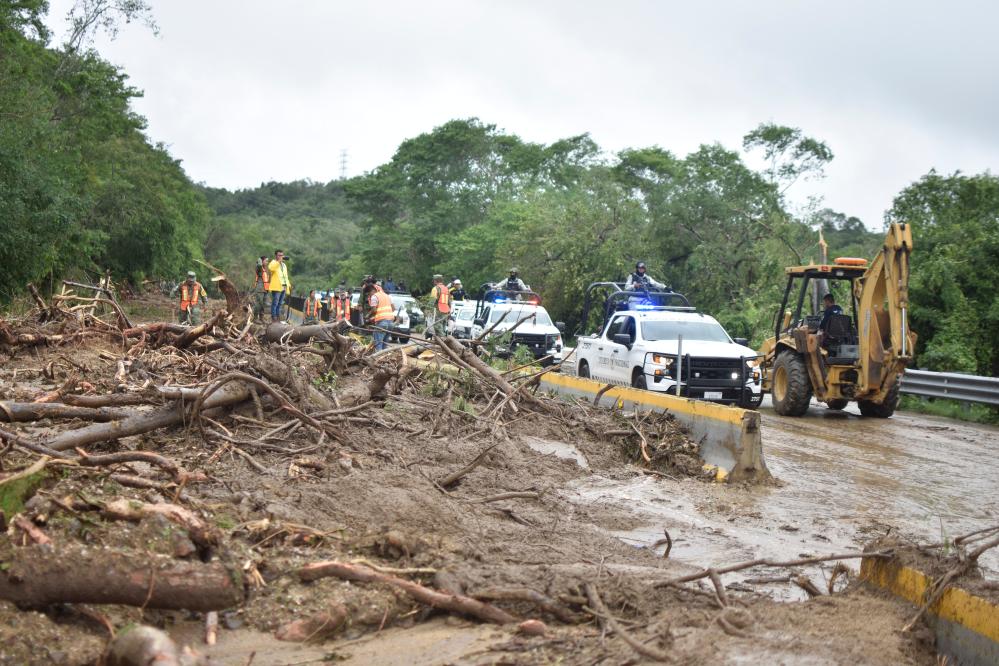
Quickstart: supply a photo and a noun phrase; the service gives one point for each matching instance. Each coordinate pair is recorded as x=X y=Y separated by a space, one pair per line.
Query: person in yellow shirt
x=279 y=284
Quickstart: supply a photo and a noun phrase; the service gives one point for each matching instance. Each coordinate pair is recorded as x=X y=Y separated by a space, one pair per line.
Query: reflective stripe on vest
x=312 y=311
x=341 y=309
x=383 y=310
x=442 y=298
x=189 y=294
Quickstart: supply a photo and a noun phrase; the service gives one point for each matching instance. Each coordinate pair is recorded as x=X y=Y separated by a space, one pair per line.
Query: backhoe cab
x=861 y=354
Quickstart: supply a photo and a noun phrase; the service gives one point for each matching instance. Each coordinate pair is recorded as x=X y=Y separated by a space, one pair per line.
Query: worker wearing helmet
x=641 y=281
x=512 y=283
x=457 y=291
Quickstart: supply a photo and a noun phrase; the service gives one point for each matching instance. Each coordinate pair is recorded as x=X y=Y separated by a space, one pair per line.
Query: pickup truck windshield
x=516 y=314
x=690 y=330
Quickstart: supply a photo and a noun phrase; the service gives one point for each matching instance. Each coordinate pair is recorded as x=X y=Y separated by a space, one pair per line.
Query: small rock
x=232 y=621
x=532 y=628
x=182 y=544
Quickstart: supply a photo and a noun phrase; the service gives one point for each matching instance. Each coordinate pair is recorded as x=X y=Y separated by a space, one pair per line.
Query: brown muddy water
x=843 y=480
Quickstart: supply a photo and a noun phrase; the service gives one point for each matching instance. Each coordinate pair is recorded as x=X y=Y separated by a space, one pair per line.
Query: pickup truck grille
x=538 y=343
x=714 y=368
x=710 y=371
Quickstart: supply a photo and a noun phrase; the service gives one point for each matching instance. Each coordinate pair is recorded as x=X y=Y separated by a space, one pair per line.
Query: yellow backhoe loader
x=859 y=354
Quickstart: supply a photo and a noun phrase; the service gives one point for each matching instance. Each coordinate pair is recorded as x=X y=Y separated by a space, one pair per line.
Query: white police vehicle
x=500 y=311
x=654 y=339
x=462 y=319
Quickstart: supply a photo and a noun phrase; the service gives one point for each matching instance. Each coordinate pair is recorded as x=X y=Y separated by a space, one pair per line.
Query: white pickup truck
x=648 y=346
x=537 y=332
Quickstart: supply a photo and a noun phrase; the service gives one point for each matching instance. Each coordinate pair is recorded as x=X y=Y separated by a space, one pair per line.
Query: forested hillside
x=311 y=222
x=81 y=187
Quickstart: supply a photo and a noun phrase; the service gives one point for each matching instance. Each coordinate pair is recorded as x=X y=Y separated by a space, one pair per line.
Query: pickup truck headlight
x=660 y=359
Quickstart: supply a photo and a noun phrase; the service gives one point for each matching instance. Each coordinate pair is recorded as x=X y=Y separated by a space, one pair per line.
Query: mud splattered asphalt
x=844 y=479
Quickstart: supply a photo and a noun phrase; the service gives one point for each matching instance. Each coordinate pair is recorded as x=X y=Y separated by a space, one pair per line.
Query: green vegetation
x=951 y=409
x=83 y=189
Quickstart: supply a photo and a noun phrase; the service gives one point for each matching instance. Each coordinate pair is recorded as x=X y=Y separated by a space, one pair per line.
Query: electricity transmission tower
x=343 y=164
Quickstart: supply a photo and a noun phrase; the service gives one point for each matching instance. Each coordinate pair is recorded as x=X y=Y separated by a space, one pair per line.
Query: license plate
x=712 y=395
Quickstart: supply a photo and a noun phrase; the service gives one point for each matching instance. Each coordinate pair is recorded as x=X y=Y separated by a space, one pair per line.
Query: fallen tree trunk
x=283 y=374
x=40 y=576
x=451 y=602
x=279 y=331
x=140 y=422
x=185 y=339
x=23 y=412
x=483 y=368
x=111 y=400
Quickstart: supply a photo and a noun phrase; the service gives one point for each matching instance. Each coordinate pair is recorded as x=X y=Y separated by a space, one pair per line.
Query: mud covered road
x=843 y=480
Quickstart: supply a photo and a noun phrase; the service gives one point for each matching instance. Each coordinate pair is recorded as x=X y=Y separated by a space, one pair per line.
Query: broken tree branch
x=455 y=603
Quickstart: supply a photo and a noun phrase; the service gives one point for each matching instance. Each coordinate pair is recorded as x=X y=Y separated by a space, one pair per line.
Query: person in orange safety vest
x=441 y=297
x=191 y=294
x=380 y=313
x=261 y=287
x=313 y=308
x=340 y=305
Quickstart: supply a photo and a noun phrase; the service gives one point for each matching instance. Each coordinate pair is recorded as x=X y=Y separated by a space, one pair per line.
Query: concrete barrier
x=966 y=625
x=729 y=437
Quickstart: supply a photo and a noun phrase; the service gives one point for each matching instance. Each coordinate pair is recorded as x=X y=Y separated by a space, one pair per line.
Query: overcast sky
x=249 y=91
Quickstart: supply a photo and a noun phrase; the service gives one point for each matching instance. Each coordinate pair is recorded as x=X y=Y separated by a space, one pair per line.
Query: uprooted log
x=185 y=339
x=39 y=576
x=140 y=422
x=492 y=375
x=455 y=603
x=24 y=412
x=279 y=331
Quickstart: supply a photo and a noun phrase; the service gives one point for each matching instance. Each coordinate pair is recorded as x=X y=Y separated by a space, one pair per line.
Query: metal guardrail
x=965 y=388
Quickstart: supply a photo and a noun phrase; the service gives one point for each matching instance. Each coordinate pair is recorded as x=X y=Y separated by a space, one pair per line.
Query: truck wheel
x=885 y=409
x=792 y=389
x=584 y=370
x=638 y=380
x=837 y=403
x=750 y=400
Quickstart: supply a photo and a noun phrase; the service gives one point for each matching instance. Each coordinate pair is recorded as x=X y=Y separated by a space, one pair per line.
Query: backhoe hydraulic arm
x=882 y=294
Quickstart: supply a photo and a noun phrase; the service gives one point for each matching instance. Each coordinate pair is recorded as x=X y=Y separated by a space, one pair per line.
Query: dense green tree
x=81 y=188
x=955 y=305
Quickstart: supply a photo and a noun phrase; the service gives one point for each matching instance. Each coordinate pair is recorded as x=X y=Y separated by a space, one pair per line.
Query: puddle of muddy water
x=844 y=481
x=557 y=449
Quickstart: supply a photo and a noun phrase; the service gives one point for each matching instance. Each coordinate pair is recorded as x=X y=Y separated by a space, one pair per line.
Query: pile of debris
x=148 y=468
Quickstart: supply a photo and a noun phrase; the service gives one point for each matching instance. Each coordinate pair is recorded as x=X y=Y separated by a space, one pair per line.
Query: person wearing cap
x=441 y=297
x=640 y=279
x=389 y=284
x=279 y=284
x=340 y=304
x=191 y=293
x=457 y=291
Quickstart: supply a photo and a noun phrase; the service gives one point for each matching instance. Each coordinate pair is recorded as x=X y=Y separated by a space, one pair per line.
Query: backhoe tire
x=837 y=403
x=885 y=409
x=583 y=370
x=638 y=380
x=791 y=389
